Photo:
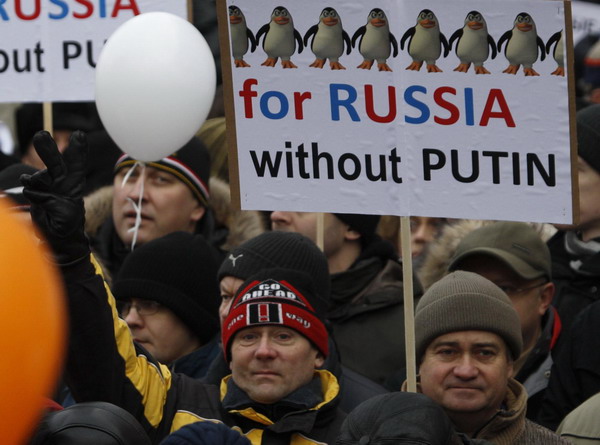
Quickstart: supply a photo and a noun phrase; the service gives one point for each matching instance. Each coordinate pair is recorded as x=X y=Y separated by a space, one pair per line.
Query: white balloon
x=155 y=84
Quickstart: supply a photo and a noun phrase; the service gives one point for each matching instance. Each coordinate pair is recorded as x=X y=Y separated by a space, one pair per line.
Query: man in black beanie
x=276 y=338
x=168 y=295
x=367 y=302
x=575 y=252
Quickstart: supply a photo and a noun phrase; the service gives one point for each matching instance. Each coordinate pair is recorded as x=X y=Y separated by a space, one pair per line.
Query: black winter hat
x=277 y=249
x=363 y=224
x=588 y=135
x=97 y=423
x=398 y=418
x=68 y=116
x=11 y=187
x=190 y=164
x=205 y=433
x=178 y=270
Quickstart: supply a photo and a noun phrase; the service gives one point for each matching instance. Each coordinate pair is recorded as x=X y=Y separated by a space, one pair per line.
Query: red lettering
x=299 y=98
x=248 y=94
x=89 y=9
x=370 y=105
x=504 y=113
x=132 y=5
x=453 y=109
x=23 y=16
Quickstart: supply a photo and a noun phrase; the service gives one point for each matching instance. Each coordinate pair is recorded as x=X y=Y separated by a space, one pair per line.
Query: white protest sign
x=395 y=140
x=49 y=48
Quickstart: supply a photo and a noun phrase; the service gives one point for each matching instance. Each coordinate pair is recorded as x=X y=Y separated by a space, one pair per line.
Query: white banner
x=401 y=129
x=49 y=48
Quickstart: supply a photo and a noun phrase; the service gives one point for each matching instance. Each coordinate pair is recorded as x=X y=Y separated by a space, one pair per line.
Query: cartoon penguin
x=559 y=52
x=426 y=41
x=375 y=41
x=240 y=36
x=328 y=40
x=280 y=38
x=473 y=43
x=522 y=43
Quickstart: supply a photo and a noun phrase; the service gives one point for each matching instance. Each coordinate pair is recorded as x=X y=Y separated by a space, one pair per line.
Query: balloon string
x=137 y=207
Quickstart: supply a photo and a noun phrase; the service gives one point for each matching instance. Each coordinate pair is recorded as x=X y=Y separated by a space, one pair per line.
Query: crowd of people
x=193 y=323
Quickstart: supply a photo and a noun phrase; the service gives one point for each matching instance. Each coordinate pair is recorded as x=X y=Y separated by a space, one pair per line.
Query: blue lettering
x=64 y=10
x=102 y=7
x=264 y=105
x=336 y=102
x=410 y=100
x=470 y=119
x=2 y=11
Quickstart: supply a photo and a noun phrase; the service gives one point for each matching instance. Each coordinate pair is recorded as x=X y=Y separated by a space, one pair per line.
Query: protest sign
x=50 y=48
x=458 y=110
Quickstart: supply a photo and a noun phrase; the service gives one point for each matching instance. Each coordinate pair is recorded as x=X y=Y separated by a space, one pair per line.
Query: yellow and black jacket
x=105 y=365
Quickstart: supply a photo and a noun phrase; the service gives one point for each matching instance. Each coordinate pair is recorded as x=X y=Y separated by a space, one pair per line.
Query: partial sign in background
x=49 y=48
x=402 y=142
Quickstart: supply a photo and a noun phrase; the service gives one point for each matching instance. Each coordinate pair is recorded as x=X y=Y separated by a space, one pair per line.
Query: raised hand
x=56 y=196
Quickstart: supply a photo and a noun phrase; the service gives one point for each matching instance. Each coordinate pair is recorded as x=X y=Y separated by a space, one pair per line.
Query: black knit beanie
x=363 y=224
x=466 y=301
x=179 y=271
x=288 y=250
x=588 y=135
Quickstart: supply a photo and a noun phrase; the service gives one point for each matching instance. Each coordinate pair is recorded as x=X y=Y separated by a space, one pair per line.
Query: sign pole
x=409 y=312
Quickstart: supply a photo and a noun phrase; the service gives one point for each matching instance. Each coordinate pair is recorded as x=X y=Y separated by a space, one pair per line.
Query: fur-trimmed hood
x=241 y=224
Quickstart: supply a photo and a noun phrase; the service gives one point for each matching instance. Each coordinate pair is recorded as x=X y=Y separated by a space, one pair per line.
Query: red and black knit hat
x=278 y=297
x=190 y=164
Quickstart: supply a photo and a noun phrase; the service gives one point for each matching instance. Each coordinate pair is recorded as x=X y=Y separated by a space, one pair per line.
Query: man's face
x=529 y=300
x=159 y=330
x=270 y=362
x=423 y=230
x=466 y=372
x=334 y=231
x=168 y=205
x=228 y=286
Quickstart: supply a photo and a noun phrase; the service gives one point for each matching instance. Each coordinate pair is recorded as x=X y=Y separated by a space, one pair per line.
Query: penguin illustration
x=375 y=41
x=473 y=43
x=240 y=36
x=522 y=43
x=426 y=42
x=280 y=38
x=559 y=52
x=328 y=40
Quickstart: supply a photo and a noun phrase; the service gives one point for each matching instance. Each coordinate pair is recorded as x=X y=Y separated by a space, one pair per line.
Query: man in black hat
x=168 y=295
x=367 y=303
x=274 y=336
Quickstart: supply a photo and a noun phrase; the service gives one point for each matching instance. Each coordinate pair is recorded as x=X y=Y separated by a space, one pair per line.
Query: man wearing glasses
x=514 y=257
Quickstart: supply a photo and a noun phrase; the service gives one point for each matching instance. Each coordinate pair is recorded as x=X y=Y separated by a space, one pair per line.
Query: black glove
x=56 y=196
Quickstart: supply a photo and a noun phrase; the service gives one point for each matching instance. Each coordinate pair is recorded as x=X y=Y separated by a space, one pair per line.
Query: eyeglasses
x=142 y=307
x=511 y=290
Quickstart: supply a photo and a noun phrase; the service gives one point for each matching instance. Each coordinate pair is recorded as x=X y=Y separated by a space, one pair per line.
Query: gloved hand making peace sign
x=56 y=196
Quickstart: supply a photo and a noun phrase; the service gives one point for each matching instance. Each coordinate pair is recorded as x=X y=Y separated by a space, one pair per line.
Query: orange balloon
x=32 y=327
